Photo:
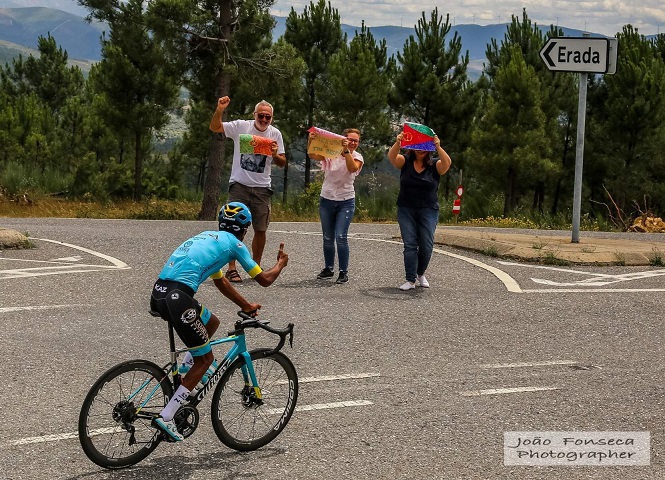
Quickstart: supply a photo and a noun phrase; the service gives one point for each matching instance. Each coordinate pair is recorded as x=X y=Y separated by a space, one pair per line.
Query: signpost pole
x=579 y=157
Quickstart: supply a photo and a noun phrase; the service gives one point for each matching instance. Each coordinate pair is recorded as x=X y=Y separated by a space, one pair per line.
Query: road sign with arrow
x=578 y=54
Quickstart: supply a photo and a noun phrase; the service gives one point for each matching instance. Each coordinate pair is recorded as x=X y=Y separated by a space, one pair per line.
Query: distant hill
x=475 y=38
x=23 y=26
x=9 y=51
x=65 y=5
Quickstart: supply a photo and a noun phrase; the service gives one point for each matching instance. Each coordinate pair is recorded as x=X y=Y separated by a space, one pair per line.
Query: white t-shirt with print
x=252 y=170
x=338 y=181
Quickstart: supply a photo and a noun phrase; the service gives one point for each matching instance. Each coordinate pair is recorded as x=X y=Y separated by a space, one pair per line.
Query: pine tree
x=317 y=35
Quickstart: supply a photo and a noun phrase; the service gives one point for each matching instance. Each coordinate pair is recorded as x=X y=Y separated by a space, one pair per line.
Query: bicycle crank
x=186 y=420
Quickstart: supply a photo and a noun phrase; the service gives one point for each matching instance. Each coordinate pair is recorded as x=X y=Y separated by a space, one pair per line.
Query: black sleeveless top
x=418 y=190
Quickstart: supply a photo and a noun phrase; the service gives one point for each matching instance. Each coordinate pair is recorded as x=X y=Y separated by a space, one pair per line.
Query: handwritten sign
x=418 y=137
x=253 y=144
x=326 y=144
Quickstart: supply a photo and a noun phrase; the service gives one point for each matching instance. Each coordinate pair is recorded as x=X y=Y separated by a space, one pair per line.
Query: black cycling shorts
x=175 y=303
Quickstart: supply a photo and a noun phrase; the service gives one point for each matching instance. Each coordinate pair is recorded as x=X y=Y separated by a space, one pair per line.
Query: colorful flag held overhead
x=418 y=137
x=327 y=144
x=253 y=144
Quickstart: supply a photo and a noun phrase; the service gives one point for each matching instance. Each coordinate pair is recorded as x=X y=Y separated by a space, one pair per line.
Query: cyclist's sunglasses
x=262 y=116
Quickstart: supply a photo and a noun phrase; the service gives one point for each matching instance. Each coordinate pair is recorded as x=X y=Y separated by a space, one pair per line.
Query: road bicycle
x=255 y=397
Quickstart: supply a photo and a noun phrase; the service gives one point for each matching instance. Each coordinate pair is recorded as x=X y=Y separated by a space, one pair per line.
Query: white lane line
x=20 y=274
x=67 y=267
x=63 y=268
x=597 y=279
x=38 y=307
x=594 y=290
x=44 y=439
x=324 y=406
x=502 y=391
x=345 y=376
x=269 y=411
x=529 y=364
x=508 y=281
x=118 y=263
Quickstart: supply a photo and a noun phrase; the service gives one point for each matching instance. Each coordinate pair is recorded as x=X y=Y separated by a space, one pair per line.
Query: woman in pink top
x=338 y=203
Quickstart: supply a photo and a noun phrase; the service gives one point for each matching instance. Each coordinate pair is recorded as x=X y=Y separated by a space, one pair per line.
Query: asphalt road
x=431 y=378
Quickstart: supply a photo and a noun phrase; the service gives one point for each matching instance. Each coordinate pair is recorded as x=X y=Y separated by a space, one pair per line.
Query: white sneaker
x=422 y=281
x=407 y=286
x=169 y=428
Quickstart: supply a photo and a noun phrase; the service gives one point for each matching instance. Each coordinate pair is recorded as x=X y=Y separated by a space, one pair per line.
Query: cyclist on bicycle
x=202 y=256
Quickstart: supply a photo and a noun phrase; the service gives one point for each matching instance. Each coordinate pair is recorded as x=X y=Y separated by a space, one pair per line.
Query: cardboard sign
x=326 y=144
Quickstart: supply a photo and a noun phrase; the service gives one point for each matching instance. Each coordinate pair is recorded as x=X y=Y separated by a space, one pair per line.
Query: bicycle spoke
x=112 y=431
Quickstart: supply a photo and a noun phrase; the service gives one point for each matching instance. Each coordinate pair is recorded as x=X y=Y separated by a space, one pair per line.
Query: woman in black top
x=418 y=206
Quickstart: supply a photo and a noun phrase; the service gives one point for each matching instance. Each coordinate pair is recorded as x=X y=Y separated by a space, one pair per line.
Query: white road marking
x=270 y=411
x=529 y=364
x=346 y=376
x=324 y=406
x=606 y=279
x=108 y=258
x=502 y=391
x=62 y=265
x=593 y=290
x=597 y=279
x=37 y=307
x=75 y=258
x=510 y=284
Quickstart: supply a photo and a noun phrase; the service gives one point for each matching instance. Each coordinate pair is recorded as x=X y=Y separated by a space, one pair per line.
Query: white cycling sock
x=188 y=360
x=179 y=398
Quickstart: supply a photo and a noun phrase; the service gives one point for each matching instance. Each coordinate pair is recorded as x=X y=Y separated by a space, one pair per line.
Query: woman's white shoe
x=422 y=281
x=407 y=286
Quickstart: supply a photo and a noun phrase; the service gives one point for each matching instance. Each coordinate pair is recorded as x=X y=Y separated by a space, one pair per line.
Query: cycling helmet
x=235 y=218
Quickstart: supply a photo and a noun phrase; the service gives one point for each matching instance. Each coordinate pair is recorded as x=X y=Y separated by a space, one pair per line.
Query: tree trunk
x=286 y=183
x=310 y=123
x=213 y=178
x=138 y=165
x=538 y=197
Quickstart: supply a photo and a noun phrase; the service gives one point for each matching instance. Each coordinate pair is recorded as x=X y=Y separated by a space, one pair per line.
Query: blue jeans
x=417 y=226
x=336 y=218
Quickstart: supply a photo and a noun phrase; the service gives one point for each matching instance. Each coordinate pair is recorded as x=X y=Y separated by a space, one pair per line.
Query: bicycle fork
x=251 y=394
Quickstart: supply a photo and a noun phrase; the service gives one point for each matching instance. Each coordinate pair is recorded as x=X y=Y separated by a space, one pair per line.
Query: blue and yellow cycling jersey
x=204 y=255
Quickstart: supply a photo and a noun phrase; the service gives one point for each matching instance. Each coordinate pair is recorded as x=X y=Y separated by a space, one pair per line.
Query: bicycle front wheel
x=244 y=420
x=115 y=421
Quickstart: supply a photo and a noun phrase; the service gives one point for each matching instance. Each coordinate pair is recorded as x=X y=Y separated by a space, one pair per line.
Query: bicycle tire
x=102 y=436
x=246 y=427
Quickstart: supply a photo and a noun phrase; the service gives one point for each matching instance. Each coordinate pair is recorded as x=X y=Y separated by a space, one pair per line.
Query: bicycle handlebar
x=252 y=322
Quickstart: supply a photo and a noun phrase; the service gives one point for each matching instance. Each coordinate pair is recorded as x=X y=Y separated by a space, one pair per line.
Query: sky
x=606 y=17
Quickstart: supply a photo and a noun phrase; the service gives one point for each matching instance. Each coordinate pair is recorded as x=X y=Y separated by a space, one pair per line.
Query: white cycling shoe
x=169 y=428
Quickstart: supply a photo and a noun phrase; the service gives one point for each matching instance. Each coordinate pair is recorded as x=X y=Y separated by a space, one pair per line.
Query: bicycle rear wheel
x=115 y=424
x=243 y=421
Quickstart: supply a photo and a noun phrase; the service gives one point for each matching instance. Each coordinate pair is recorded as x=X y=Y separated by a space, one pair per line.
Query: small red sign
x=457 y=206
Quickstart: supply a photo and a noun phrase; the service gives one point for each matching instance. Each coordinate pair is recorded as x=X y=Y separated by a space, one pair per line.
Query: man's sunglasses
x=265 y=116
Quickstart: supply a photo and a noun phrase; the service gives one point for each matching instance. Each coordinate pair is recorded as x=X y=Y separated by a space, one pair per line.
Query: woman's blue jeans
x=336 y=218
x=417 y=226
